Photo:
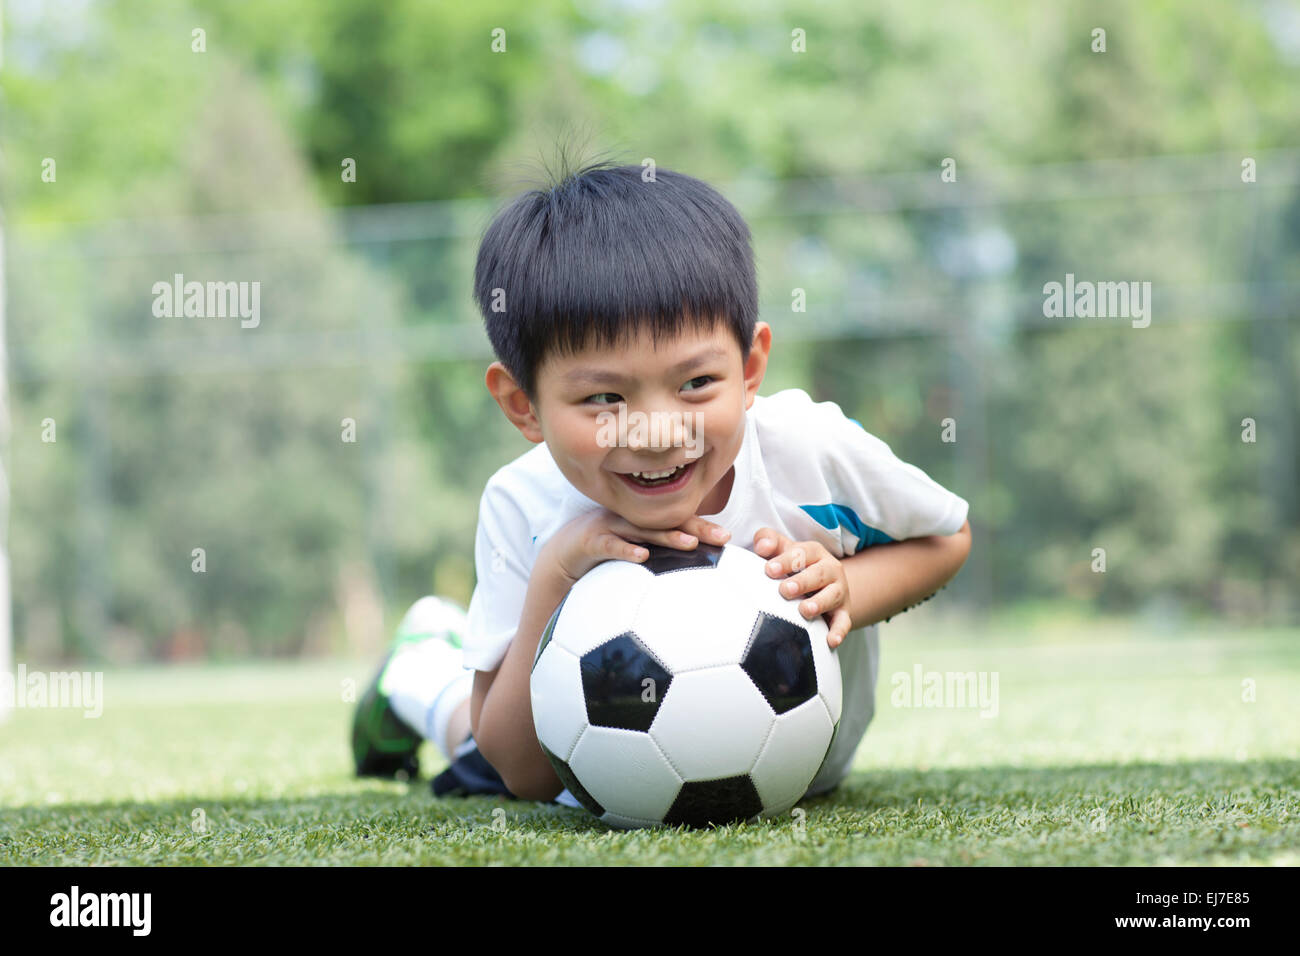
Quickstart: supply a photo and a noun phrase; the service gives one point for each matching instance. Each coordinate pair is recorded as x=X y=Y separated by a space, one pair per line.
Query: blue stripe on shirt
x=834 y=516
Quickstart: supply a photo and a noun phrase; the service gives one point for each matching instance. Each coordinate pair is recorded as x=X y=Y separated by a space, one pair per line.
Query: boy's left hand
x=812 y=568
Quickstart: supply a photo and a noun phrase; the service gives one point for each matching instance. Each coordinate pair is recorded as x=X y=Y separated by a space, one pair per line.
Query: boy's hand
x=598 y=536
x=813 y=569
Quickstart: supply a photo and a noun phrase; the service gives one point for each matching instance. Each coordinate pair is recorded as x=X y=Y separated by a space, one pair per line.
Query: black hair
x=601 y=255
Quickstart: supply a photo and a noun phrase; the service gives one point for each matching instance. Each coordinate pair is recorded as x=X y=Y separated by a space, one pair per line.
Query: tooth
x=654 y=475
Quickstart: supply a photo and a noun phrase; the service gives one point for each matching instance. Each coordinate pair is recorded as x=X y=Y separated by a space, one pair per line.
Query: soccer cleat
x=469 y=775
x=384 y=745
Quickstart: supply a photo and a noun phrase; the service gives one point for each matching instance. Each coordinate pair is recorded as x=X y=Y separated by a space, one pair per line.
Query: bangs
x=604 y=257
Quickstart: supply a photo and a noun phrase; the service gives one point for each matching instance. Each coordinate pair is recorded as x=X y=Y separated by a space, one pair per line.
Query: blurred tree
x=1085 y=434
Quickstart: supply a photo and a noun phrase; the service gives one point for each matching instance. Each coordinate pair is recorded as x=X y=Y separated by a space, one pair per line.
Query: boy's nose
x=637 y=441
x=663 y=429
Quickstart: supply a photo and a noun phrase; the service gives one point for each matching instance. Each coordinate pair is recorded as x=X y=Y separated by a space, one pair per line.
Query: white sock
x=444 y=705
x=426 y=680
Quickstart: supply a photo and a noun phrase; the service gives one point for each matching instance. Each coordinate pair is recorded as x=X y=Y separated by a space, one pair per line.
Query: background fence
x=924 y=303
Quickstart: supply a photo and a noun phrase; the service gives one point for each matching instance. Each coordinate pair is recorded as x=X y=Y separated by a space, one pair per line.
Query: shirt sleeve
x=875 y=496
x=503 y=565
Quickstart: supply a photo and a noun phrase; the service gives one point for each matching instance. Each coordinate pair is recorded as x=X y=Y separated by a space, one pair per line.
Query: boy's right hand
x=600 y=535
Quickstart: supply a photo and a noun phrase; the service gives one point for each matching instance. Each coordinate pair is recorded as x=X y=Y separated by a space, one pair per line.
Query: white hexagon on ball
x=624 y=768
x=610 y=594
x=559 y=707
x=712 y=723
x=787 y=764
x=712 y=634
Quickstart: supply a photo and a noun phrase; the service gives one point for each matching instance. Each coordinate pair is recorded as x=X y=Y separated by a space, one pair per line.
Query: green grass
x=1113 y=745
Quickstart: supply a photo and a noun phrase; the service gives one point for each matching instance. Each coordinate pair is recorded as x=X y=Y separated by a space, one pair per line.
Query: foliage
x=177 y=434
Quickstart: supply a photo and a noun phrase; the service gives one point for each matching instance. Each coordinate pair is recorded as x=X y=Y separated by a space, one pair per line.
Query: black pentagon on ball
x=571 y=782
x=662 y=560
x=705 y=803
x=547 y=634
x=779 y=660
x=623 y=684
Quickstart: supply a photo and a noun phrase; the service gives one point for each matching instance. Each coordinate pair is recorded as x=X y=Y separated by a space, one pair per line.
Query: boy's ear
x=514 y=402
x=756 y=365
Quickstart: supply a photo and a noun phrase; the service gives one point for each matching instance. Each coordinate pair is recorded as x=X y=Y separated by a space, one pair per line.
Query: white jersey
x=804 y=469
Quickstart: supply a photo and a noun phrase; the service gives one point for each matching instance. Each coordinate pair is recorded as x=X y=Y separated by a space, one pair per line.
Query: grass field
x=1112 y=745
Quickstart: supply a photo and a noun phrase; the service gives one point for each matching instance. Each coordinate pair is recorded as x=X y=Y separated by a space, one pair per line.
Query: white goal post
x=6 y=620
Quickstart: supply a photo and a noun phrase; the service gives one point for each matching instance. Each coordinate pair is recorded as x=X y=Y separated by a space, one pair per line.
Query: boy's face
x=685 y=405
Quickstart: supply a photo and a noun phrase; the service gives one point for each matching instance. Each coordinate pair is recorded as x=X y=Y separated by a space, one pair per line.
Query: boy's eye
x=616 y=398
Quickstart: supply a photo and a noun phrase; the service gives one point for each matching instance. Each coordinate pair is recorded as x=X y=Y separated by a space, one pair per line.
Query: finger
x=840 y=624
x=804 y=554
x=616 y=547
x=824 y=601
x=706 y=530
x=769 y=541
x=800 y=578
x=667 y=537
x=799 y=556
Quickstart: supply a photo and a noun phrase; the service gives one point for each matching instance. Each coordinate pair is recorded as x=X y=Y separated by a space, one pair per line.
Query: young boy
x=606 y=291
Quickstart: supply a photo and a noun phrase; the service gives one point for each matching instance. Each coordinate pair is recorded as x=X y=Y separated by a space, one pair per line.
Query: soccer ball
x=684 y=689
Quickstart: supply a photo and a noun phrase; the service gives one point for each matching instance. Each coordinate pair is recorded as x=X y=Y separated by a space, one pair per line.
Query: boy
x=608 y=296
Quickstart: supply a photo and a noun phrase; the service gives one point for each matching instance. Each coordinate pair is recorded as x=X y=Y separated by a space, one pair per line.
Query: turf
x=1112 y=745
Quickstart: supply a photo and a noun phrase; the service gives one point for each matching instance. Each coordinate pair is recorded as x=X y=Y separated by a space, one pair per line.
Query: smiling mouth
x=667 y=478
